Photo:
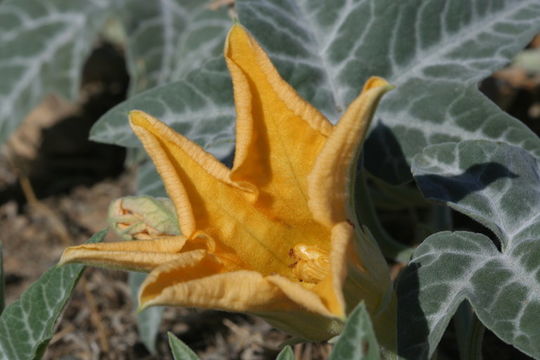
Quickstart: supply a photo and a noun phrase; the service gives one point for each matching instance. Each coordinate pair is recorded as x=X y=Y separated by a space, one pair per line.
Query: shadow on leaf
x=384 y=156
x=455 y=188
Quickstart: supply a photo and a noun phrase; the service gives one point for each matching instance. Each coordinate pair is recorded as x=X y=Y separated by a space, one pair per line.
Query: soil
x=55 y=187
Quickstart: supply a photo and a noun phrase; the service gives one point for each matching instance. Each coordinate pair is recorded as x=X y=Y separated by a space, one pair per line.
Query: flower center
x=310 y=263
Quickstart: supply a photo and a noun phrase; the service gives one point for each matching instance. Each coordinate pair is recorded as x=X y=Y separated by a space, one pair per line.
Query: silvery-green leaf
x=27 y=325
x=435 y=52
x=499 y=186
x=180 y=350
x=168 y=38
x=176 y=45
x=148 y=181
x=286 y=353
x=450 y=267
x=357 y=341
x=469 y=332
x=148 y=320
x=43 y=45
x=199 y=106
x=496 y=184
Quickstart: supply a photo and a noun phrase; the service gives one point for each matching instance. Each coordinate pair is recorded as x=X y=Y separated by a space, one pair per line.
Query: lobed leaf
x=168 y=38
x=27 y=325
x=170 y=47
x=496 y=184
x=435 y=52
x=357 y=341
x=204 y=98
x=42 y=49
x=499 y=186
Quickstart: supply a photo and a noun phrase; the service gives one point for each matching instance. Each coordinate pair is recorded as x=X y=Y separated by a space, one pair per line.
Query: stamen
x=310 y=263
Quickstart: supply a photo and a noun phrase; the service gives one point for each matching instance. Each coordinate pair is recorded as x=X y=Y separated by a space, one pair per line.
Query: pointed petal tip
x=136 y=117
x=146 y=302
x=237 y=28
x=141 y=307
x=63 y=259
x=69 y=256
x=237 y=33
x=378 y=82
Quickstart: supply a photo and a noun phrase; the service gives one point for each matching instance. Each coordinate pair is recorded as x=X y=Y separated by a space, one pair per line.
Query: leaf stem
x=368 y=216
x=470 y=333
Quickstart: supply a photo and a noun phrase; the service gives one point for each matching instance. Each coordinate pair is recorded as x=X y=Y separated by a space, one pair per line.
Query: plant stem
x=368 y=216
x=470 y=333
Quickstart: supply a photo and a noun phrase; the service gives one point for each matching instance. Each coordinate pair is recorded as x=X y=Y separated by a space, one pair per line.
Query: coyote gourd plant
x=292 y=90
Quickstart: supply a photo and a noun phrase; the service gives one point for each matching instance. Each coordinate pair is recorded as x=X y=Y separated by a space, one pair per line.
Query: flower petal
x=330 y=289
x=140 y=255
x=278 y=134
x=300 y=295
x=329 y=181
x=207 y=201
x=198 y=170
x=203 y=284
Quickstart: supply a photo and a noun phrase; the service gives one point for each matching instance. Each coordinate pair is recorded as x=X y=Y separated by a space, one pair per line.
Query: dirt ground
x=55 y=187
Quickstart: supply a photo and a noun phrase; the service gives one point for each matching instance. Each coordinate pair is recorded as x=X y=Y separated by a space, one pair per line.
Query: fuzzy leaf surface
x=286 y=353
x=434 y=52
x=175 y=55
x=168 y=38
x=27 y=325
x=148 y=320
x=357 y=341
x=43 y=45
x=180 y=350
x=498 y=185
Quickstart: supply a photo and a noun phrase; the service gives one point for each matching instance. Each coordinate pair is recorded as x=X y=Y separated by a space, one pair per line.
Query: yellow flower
x=274 y=236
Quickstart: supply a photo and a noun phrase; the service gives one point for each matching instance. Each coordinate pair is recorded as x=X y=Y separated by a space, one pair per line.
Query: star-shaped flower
x=275 y=235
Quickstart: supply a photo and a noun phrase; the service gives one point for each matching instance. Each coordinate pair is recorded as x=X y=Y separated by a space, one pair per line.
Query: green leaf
x=435 y=52
x=494 y=183
x=357 y=341
x=497 y=185
x=180 y=350
x=469 y=333
x=199 y=106
x=169 y=46
x=286 y=353
x=168 y=38
x=43 y=45
x=148 y=181
x=148 y=320
x=27 y=325
x=365 y=210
